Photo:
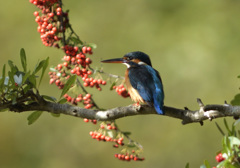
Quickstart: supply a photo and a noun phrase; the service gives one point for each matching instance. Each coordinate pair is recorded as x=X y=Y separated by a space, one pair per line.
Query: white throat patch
x=128 y=66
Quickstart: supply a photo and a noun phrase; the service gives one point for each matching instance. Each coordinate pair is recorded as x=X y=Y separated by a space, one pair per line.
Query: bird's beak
x=115 y=60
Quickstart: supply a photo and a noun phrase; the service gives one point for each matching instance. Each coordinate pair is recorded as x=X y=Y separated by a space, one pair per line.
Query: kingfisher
x=143 y=82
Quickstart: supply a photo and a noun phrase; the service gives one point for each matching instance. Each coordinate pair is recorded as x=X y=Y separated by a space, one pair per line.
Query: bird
x=143 y=82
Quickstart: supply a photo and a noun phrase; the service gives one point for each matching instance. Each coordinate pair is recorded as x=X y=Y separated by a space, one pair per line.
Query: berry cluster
x=109 y=126
x=93 y=82
x=86 y=100
x=53 y=22
x=103 y=134
x=108 y=132
x=48 y=21
x=88 y=120
x=121 y=90
x=128 y=157
x=103 y=137
x=219 y=157
x=43 y=3
x=76 y=63
x=57 y=79
x=100 y=137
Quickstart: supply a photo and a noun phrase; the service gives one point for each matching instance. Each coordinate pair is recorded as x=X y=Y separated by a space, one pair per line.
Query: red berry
x=120 y=139
x=102 y=126
x=78 y=99
x=109 y=127
x=69 y=99
x=84 y=49
x=85 y=120
x=65 y=64
x=89 y=49
x=36 y=13
x=67 y=58
x=59 y=66
x=88 y=61
x=50 y=14
x=91 y=133
x=57 y=82
x=75 y=48
x=52 y=81
x=59 y=9
x=127 y=158
x=73 y=71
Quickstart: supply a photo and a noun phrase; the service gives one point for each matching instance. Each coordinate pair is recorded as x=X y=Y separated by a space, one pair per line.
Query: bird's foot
x=137 y=106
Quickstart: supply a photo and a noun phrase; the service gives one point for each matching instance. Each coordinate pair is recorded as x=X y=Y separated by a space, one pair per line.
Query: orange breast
x=133 y=92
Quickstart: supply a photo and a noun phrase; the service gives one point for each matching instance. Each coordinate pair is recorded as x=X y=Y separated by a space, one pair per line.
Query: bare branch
x=187 y=116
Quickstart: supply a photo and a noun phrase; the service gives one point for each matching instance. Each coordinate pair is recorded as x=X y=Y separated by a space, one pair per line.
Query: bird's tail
x=158 y=107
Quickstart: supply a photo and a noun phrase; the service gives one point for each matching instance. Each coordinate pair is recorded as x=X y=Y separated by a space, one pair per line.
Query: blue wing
x=147 y=82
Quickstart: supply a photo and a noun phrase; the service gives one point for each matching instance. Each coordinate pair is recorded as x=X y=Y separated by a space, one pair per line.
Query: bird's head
x=132 y=58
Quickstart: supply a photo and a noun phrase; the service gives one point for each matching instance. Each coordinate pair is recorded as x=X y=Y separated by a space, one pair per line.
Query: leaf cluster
x=230 y=147
x=16 y=83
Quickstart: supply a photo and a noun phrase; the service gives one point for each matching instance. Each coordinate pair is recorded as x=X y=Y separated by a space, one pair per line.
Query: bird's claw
x=137 y=106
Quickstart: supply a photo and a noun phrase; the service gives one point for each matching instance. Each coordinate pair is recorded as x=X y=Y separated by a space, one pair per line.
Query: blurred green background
x=194 y=45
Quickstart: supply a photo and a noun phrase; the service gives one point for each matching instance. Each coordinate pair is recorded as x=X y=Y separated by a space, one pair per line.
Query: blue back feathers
x=147 y=82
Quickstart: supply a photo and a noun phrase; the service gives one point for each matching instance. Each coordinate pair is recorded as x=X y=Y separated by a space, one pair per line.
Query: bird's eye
x=129 y=58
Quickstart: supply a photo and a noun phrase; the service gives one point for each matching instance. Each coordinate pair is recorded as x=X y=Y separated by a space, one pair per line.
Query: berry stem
x=108 y=74
x=85 y=91
x=61 y=24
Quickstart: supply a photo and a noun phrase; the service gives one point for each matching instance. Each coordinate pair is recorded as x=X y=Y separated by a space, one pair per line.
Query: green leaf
x=187 y=165
x=10 y=63
x=220 y=129
x=25 y=77
x=62 y=101
x=233 y=132
x=75 y=40
x=33 y=117
x=14 y=69
x=202 y=166
x=4 y=71
x=38 y=66
x=27 y=88
x=236 y=100
x=226 y=145
x=53 y=99
x=23 y=59
x=69 y=84
x=3 y=110
x=234 y=141
x=131 y=145
x=14 y=100
x=236 y=122
x=127 y=133
x=206 y=163
x=32 y=80
x=113 y=84
x=45 y=65
x=11 y=79
x=227 y=127
x=3 y=76
x=55 y=115
x=92 y=45
x=110 y=134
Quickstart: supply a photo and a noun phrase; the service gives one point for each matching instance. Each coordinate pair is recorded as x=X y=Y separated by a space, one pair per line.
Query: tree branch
x=187 y=116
